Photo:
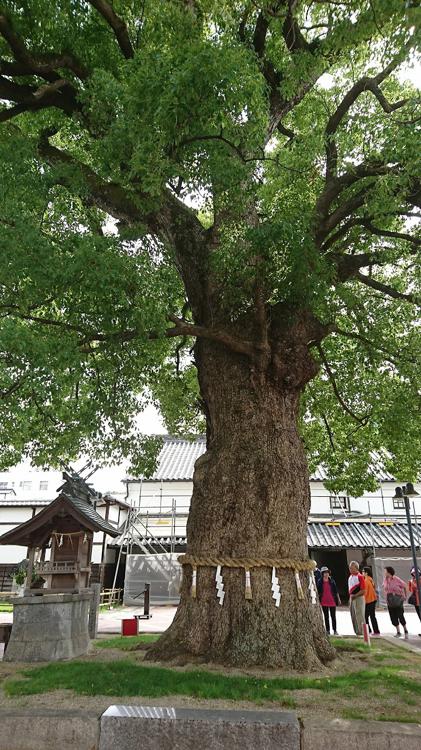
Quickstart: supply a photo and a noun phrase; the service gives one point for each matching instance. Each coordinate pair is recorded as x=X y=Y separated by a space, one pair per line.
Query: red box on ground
x=129 y=627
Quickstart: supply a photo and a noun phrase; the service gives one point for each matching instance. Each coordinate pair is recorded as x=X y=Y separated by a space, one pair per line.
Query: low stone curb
x=409 y=645
x=320 y=734
x=48 y=729
x=149 y=728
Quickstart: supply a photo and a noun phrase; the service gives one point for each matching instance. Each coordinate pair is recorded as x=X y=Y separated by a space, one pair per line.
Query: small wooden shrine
x=63 y=532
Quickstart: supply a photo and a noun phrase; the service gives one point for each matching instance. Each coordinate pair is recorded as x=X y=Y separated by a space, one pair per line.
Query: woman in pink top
x=329 y=598
x=395 y=590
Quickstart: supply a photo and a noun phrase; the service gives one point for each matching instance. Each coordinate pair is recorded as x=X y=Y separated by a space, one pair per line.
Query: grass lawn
x=383 y=682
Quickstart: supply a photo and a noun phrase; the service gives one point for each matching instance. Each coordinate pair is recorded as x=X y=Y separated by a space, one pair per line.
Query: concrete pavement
x=110 y=622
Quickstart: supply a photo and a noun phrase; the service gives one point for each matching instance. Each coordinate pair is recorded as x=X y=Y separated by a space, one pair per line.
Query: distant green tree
x=230 y=188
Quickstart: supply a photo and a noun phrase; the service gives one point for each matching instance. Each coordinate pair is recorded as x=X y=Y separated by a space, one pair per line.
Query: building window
x=43 y=485
x=339 y=502
x=398 y=502
x=3 y=485
x=25 y=485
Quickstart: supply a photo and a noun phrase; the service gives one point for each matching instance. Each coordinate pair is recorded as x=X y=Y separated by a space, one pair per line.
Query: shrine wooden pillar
x=30 y=569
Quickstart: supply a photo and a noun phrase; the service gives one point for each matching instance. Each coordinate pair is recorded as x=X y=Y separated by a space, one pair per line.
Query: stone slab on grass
x=324 y=734
x=45 y=729
x=134 y=727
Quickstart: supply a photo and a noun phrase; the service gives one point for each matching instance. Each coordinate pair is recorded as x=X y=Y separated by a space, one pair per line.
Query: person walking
x=395 y=590
x=370 y=597
x=414 y=597
x=356 y=590
x=329 y=598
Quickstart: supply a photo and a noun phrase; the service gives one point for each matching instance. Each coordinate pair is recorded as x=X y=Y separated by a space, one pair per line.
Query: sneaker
x=406 y=635
x=335 y=632
x=374 y=635
x=398 y=635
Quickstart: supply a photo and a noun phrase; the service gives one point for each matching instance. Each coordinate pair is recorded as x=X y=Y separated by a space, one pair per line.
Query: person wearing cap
x=329 y=598
x=414 y=597
x=356 y=590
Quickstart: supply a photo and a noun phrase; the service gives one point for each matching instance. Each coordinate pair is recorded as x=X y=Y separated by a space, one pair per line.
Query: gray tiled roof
x=177 y=459
x=323 y=536
x=178 y=456
x=357 y=534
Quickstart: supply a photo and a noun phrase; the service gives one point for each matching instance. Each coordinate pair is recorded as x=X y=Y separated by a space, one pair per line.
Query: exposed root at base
x=174 y=653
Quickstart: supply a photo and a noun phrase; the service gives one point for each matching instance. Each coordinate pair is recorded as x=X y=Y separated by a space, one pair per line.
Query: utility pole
x=405 y=493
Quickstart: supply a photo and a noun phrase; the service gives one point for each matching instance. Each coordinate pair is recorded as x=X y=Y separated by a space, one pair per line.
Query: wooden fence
x=110 y=597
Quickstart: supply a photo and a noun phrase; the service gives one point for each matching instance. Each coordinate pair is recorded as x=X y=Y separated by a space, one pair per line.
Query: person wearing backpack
x=329 y=598
x=395 y=590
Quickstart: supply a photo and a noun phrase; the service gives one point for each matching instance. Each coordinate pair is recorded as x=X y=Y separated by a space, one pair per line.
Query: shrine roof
x=74 y=505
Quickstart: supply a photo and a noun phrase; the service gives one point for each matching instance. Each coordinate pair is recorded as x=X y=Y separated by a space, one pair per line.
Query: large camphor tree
x=228 y=190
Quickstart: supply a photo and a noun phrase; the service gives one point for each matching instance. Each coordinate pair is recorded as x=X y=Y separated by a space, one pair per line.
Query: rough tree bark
x=251 y=498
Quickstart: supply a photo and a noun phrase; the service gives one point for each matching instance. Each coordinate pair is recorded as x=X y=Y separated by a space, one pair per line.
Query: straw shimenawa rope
x=247 y=562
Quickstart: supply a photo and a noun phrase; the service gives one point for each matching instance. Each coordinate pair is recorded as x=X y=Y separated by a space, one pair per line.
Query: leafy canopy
x=153 y=151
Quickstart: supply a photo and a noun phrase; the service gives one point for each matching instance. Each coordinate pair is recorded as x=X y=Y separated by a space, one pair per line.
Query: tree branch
x=117 y=24
x=59 y=93
x=183 y=328
x=172 y=221
x=388 y=233
x=10 y=112
x=348 y=207
x=364 y=84
x=349 y=265
x=329 y=431
x=360 y=420
x=388 y=290
x=41 y=65
x=14 y=387
x=259 y=36
x=286 y=131
x=291 y=31
x=389 y=356
x=108 y=196
x=335 y=185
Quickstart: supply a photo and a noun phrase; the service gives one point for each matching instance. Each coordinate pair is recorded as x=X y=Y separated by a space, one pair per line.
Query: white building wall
x=10 y=517
x=156 y=499
x=28 y=483
x=159 y=497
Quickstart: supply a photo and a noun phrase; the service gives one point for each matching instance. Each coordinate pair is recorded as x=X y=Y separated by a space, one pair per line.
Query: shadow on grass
x=128 y=642
x=346 y=645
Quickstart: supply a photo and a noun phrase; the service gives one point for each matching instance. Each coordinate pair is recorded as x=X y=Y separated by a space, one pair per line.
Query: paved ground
x=110 y=622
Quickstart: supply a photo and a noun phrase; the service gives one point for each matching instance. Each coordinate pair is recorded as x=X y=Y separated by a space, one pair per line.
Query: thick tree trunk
x=251 y=499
